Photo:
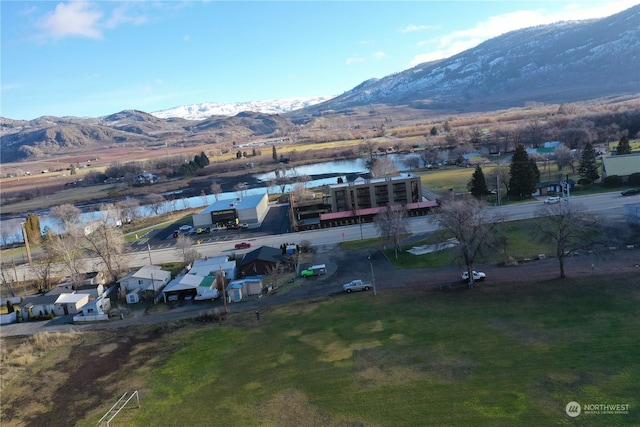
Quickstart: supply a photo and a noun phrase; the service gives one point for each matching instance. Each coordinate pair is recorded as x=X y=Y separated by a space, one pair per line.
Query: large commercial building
x=360 y=200
x=230 y=212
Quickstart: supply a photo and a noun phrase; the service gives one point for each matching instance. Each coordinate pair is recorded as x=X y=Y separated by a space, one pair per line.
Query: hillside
x=562 y=62
x=559 y=63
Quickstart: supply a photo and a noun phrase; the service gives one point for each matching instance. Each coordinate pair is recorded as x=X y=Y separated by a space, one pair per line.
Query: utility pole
x=373 y=279
x=26 y=242
x=224 y=292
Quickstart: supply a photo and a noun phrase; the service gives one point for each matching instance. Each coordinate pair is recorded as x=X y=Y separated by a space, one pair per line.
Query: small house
x=147 y=278
x=97 y=309
x=40 y=305
x=260 y=261
x=70 y=303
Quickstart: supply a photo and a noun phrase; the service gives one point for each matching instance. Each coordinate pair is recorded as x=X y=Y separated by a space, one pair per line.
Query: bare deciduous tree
x=216 y=190
x=412 y=162
x=568 y=227
x=429 y=156
x=155 y=202
x=184 y=246
x=63 y=241
x=274 y=273
x=127 y=209
x=66 y=216
x=106 y=241
x=562 y=157
x=391 y=225
x=383 y=167
x=472 y=225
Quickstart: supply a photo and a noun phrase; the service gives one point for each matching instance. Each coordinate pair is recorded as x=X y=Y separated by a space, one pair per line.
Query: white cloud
x=10 y=86
x=459 y=41
x=354 y=60
x=121 y=15
x=411 y=28
x=77 y=18
x=379 y=54
x=85 y=19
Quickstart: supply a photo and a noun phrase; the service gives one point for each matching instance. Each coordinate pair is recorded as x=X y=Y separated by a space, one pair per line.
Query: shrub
x=585 y=181
x=634 y=178
x=612 y=181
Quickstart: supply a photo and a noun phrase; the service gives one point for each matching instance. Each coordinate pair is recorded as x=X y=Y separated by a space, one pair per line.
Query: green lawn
x=521 y=245
x=506 y=356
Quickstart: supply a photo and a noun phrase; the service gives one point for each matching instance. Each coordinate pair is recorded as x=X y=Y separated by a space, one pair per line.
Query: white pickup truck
x=356 y=285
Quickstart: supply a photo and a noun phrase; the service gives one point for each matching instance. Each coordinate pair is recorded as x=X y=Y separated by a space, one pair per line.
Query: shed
x=70 y=303
x=234 y=292
x=133 y=297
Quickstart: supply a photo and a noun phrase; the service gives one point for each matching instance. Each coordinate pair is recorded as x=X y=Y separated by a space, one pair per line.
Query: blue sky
x=86 y=58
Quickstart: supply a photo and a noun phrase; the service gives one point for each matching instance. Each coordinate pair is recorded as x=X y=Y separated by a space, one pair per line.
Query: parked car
x=478 y=276
x=203 y=230
x=552 y=200
x=185 y=228
x=631 y=192
x=243 y=245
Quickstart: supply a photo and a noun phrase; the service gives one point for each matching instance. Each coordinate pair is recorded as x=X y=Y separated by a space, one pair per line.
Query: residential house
x=39 y=305
x=148 y=278
x=211 y=266
x=260 y=261
x=97 y=309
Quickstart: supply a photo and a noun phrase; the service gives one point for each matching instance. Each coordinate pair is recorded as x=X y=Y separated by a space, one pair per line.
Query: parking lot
x=276 y=222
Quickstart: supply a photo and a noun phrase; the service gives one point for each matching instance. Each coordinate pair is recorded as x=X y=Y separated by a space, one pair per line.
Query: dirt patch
x=84 y=380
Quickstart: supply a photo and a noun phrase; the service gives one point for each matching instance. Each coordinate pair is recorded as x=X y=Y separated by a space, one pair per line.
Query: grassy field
x=521 y=245
x=495 y=357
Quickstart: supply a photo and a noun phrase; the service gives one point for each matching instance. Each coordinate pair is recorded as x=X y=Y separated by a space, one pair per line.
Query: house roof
x=246 y=202
x=263 y=253
x=147 y=272
x=39 y=300
x=71 y=298
x=622 y=165
x=211 y=268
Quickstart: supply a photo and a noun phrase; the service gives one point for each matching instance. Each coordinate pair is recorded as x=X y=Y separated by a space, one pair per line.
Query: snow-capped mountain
x=207 y=109
x=562 y=62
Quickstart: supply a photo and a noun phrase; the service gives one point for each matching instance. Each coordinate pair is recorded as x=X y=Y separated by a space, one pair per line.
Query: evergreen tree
x=274 y=154
x=447 y=127
x=434 y=131
x=72 y=169
x=32 y=227
x=204 y=159
x=478 y=184
x=623 y=145
x=524 y=174
x=588 y=165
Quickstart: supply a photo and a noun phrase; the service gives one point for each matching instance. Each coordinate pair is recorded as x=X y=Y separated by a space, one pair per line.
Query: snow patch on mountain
x=207 y=109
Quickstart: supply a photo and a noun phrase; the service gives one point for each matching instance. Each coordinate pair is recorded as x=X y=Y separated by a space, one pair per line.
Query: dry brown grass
x=16 y=355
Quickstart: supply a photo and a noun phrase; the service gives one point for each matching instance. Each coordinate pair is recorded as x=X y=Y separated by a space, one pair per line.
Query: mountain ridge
x=557 y=63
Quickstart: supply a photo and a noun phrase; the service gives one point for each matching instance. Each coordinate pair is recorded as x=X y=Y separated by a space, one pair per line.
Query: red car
x=243 y=245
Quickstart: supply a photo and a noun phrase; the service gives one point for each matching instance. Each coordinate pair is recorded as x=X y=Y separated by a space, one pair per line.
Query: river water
x=11 y=231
